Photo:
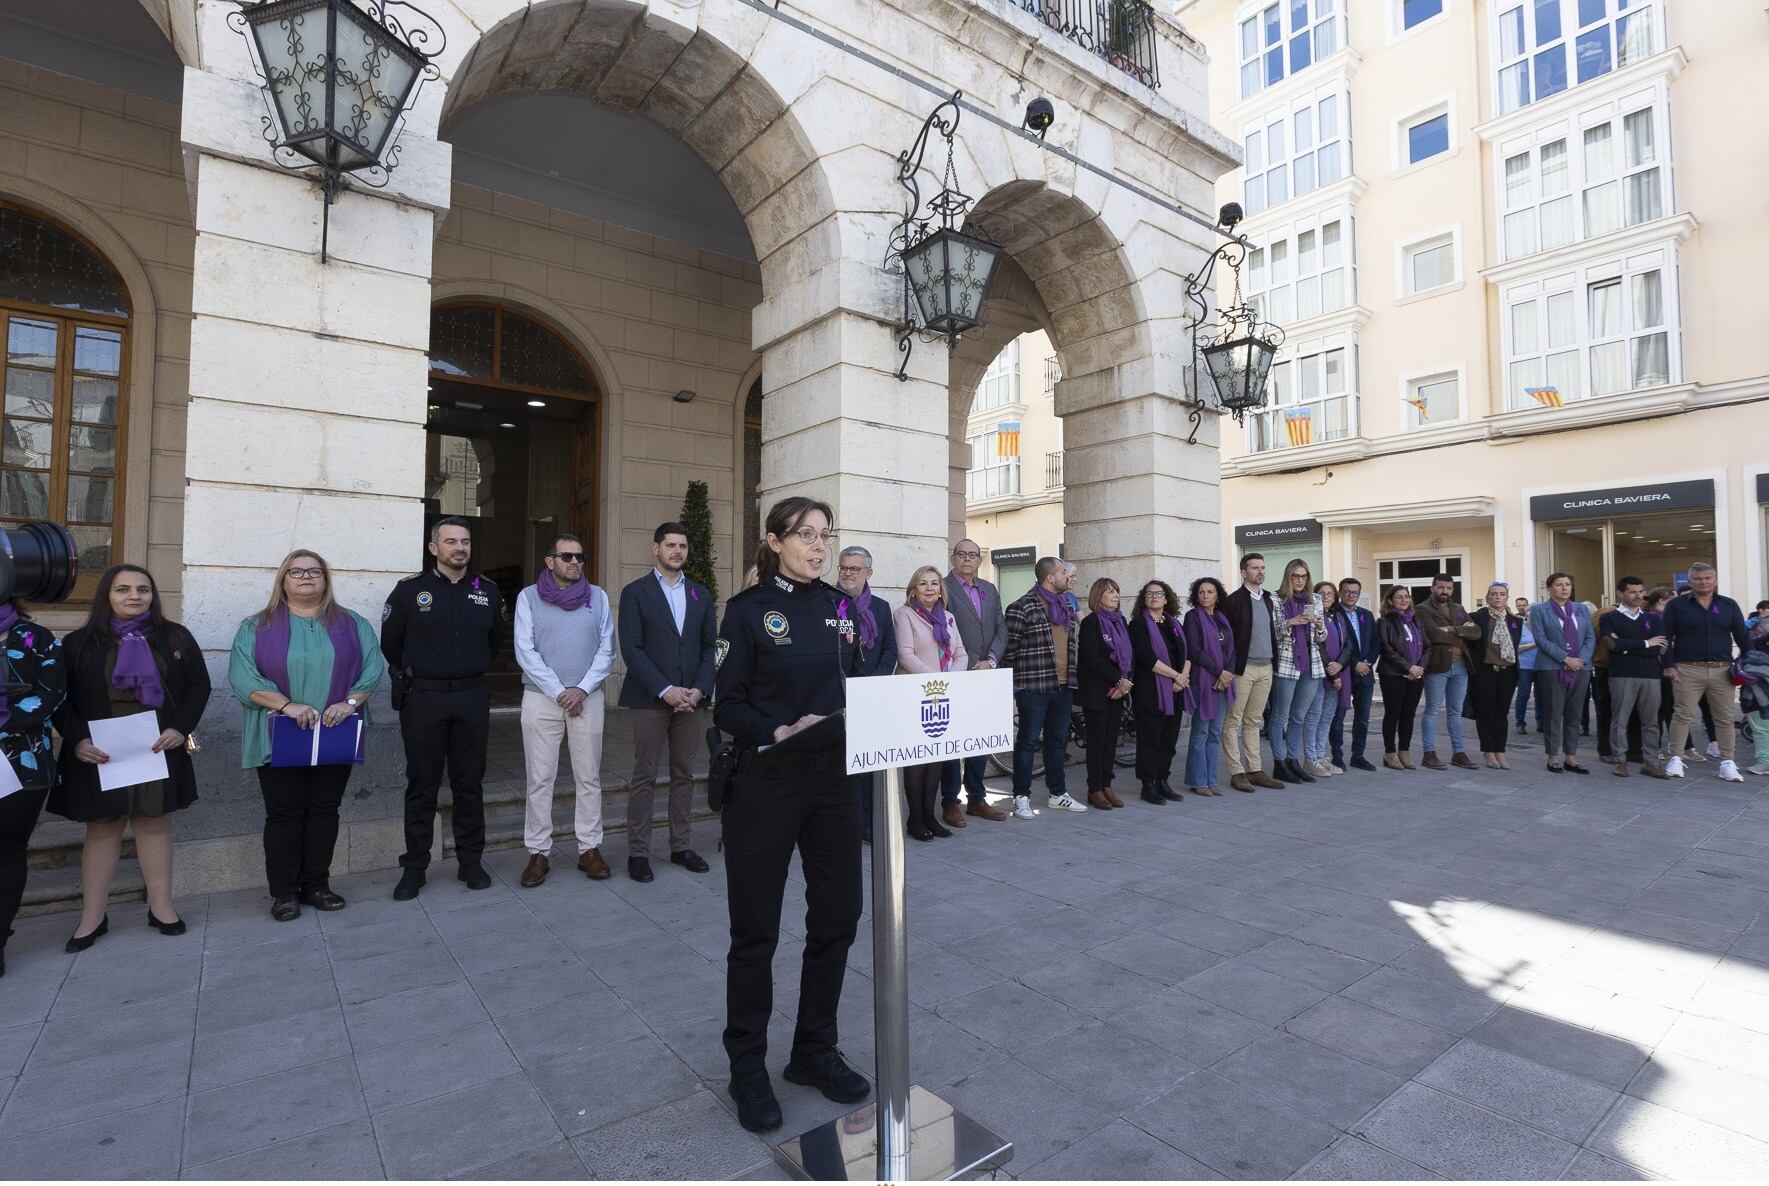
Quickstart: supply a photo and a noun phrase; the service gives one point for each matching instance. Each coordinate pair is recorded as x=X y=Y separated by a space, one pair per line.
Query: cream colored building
x=1517 y=248
x=1013 y=487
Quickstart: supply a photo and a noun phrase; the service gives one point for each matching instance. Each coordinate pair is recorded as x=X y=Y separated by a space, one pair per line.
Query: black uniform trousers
x=301 y=825
x=19 y=812
x=445 y=729
x=1157 y=737
x=1103 y=726
x=779 y=802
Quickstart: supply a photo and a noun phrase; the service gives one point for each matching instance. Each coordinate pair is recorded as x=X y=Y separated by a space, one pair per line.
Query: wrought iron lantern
x=1238 y=348
x=946 y=267
x=338 y=76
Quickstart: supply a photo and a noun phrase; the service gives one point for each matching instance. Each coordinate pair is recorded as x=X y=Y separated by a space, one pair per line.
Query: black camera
x=39 y=561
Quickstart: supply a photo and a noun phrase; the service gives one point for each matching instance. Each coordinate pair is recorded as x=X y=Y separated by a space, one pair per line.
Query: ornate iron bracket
x=1235 y=318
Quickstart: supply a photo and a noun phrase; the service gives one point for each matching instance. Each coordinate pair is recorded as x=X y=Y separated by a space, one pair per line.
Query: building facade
x=1507 y=242
x=1013 y=487
x=628 y=244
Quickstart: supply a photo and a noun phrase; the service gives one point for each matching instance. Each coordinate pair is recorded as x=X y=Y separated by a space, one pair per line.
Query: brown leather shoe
x=1432 y=762
x=1464 y=761
x=1653 y=770
x=1241 y=782
x=1111 y=798
x=1098 y=801
x=952 y=815
x=1260 y=778
x=536 y=871
x=1621 y=770
x=594 y=867
x=985 y=811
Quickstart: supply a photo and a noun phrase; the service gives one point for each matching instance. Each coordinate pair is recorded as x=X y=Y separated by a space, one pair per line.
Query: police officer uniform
x=439 y=637
x=784 y=648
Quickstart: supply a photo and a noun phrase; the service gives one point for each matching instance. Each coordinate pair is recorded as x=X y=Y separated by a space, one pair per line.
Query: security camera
x=1040 y=115
x=1229 y=215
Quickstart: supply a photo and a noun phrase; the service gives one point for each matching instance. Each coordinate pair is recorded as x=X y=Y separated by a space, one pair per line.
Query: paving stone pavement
x=1469 y=974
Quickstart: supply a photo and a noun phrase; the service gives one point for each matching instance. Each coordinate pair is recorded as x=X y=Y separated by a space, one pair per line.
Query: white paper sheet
x=129 y=742
x=8 y=779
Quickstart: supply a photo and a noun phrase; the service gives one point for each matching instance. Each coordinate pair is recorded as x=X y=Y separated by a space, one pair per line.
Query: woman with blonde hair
x=1300 y=672
x=307 y=660
x=927 y=643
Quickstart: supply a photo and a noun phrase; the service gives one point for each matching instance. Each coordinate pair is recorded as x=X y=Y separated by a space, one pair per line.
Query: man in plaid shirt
x=1042 y=638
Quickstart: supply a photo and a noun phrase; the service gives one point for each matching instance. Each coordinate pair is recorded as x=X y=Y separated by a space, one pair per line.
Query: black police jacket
x=435 y=628
x=783 y=650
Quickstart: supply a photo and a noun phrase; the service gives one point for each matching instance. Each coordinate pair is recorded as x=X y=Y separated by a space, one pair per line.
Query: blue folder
x=322 y=745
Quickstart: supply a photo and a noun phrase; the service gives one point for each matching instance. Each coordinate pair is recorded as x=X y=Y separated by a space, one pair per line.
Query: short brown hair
x=1099 y=590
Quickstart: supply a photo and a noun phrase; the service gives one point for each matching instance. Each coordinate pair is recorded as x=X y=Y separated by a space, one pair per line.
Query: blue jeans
x=1446 y=689
x=1526 y=682
x=1203 y=750
x=972 y=777
x=1290 y=702
x=1319 y=721
x=1362 y=687
x=1042 y=714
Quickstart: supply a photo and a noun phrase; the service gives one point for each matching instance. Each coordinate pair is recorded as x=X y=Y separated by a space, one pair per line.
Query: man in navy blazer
x=667 y=639
x=1363 y=677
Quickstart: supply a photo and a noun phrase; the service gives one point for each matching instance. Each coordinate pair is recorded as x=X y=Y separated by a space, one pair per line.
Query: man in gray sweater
x=565 y=646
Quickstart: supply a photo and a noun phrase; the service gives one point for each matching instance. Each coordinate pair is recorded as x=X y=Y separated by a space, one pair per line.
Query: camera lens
x=38 y=562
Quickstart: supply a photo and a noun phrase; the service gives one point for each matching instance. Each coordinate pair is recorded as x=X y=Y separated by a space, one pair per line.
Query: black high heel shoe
x=165 y=928
x=79 y=943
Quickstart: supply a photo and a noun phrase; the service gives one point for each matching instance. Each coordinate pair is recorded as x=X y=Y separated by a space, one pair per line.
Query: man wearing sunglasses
x=565 y=647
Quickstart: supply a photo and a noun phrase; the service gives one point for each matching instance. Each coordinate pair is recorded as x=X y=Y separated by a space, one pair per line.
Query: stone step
x=49 y=890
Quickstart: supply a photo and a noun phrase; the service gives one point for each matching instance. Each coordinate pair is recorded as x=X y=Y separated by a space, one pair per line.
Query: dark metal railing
x=1053 y=374
x=1053 y=469
x=1120 y=31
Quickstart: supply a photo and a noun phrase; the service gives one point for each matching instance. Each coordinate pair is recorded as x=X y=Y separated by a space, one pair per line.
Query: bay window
x=1304 y=269
x=1546 y=46
x=1279 y=39
x=995 y=464
x=1559 y=185
x=1313 y=397
x=1295 y=151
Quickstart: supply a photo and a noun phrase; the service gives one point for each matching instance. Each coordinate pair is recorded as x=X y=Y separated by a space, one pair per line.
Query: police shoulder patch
x=723 y=649
x=386 y=611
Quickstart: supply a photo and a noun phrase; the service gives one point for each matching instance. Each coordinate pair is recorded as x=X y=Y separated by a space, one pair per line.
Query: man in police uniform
x=440 y=629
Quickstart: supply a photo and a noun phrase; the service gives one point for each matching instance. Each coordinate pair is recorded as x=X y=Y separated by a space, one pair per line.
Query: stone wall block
x=311 y=373
x=235 y=279
x=256 y=445
x=364 y=534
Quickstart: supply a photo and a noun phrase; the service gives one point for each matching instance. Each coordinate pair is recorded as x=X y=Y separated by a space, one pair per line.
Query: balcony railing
x=1053 y=375
x=1120 y=31
x=1053 y=470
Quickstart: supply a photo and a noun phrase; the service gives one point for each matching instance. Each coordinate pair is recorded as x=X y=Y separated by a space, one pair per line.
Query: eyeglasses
x=850 y=570
x=1154 y=595
x=567 y=557
x=810 y=535
x=307 y=574
x=967 y=555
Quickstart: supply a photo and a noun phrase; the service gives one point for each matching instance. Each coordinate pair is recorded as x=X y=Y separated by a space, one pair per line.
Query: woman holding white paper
x=309 y=661
x=127 y=660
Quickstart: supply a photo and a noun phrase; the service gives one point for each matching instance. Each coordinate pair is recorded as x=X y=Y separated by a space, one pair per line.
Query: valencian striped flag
x=1300 y=426
x=1548 y=397
x=1007 y=438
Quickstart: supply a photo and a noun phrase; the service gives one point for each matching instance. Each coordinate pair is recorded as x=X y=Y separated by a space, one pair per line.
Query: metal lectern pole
x=890 y=985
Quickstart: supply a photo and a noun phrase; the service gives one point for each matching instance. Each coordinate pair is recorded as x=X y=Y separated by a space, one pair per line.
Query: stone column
x=307 y=380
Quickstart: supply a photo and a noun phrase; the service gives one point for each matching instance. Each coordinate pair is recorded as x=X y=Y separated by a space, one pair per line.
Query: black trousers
x=300 y=825
x=779 y=803
x=1157 y=736
x=921 y=788
x=1600 y=699
x=1400 y=704
x=445 y=730
x=1103 y=727
x=19 y=812
x=1490 y=691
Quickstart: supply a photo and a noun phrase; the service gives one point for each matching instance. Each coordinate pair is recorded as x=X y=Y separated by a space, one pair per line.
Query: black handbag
x=722 y=764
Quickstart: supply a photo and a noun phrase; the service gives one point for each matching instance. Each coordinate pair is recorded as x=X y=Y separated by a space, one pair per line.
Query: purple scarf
x=936 y=620
x=573 y=596
x=1163 y=685
x=1569 y=630
x=1216 y=638
x=1299 y=649
x=1117 y=636
x=1056 y=608
x=1336 y=629
x=135 y=669
x=8 y=619
x=1410 y=631
x=863 y=615
x=270 y=651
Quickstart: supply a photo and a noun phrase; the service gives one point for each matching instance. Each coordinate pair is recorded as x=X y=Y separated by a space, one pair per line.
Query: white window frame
x=1577 y=283
x=1402 y=161
x=1004 y=371
x=1306 y=369
x=1301 y=113
x=1614 y=112
x=1260 y=285
x=1325 y=30
x=980 y=475
x=1404 y=263
x=1397 y=20
x=1650 y=12
x=1412 y=381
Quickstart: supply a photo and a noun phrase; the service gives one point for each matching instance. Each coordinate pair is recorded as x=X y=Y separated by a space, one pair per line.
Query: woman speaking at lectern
x=784 y=648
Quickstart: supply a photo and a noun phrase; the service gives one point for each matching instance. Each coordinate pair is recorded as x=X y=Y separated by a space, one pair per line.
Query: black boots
x=1151 y=793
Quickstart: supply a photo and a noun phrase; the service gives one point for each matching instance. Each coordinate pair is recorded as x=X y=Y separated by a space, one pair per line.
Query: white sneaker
x=1064 y=803
x=1760 y=768
x=1713 y=749
x=1022 y=807
x=1321 y=768
x=1729 y=771
x=1674 y=768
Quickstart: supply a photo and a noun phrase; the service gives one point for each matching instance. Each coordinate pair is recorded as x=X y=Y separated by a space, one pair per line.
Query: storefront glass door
x=1656 y=548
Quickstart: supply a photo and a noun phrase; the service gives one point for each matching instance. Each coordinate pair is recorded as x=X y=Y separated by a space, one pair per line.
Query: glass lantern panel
x=292 y=49
x=375 y=77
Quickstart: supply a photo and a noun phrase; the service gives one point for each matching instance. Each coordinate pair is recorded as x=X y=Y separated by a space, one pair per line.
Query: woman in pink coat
x=927 y=644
